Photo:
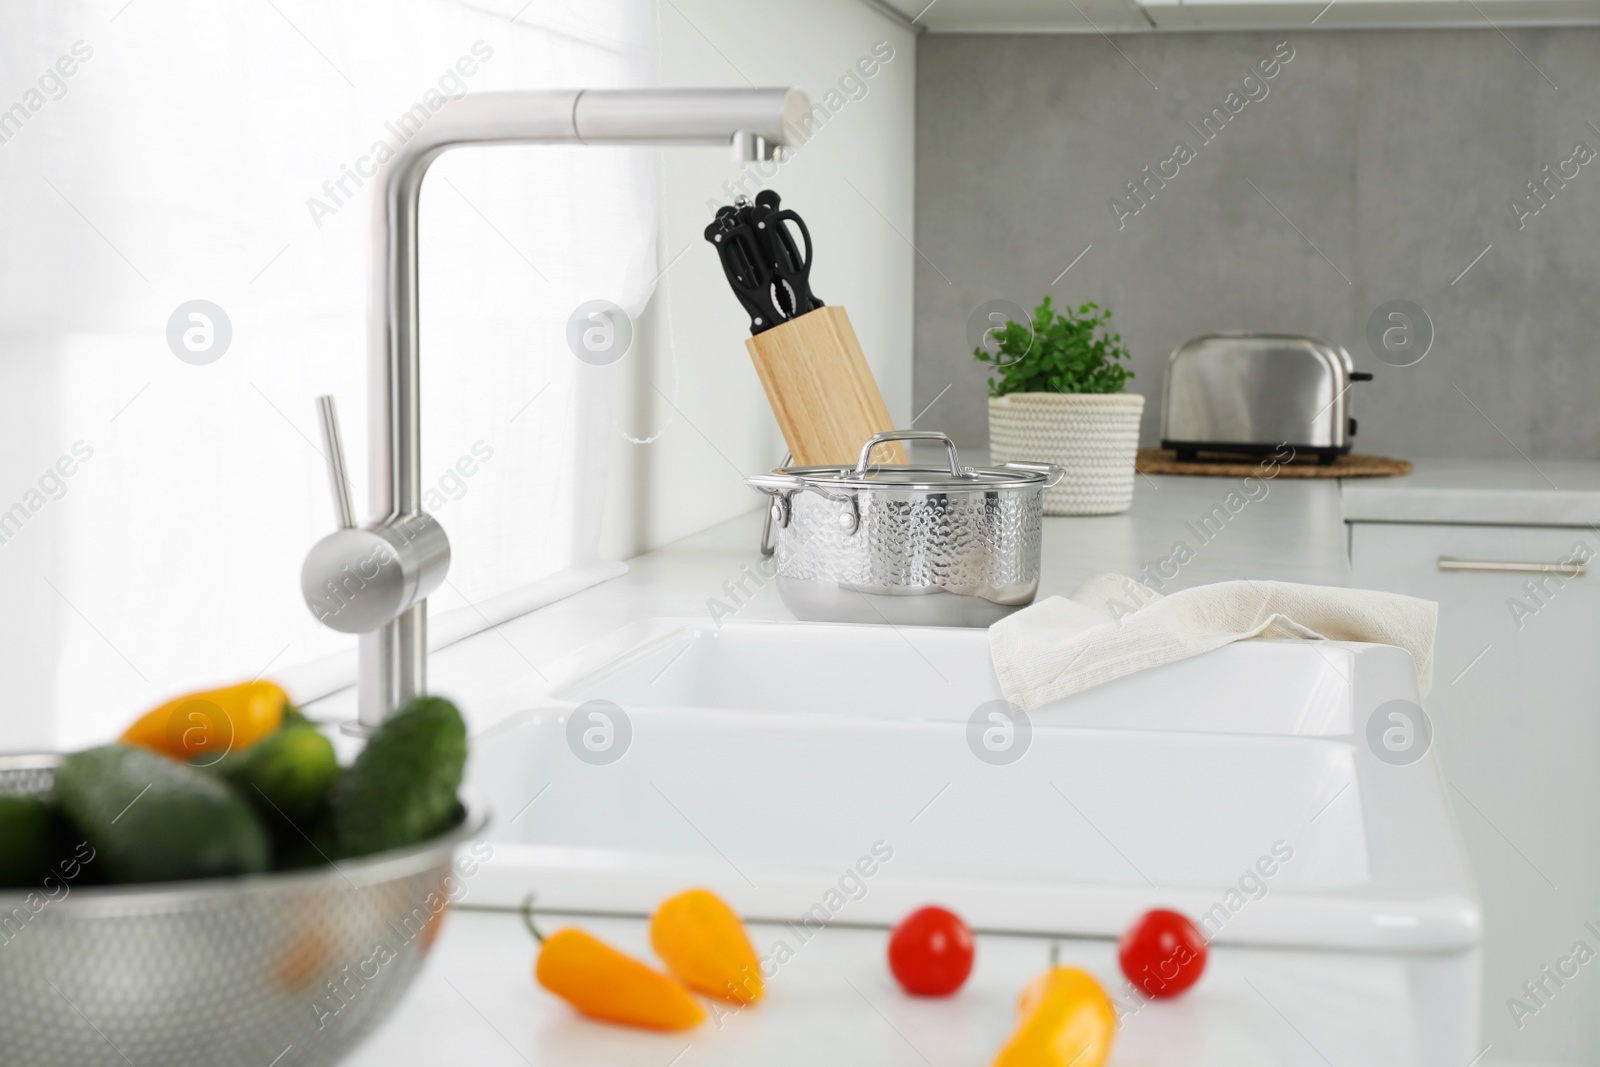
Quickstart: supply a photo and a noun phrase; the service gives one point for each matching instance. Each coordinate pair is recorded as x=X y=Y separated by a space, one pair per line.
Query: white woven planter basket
x=1093 y=436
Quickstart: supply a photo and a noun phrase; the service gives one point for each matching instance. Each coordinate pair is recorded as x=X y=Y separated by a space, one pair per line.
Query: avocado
x=153 y=819
x=30 y=839
x=286 y=776
x=401 y=790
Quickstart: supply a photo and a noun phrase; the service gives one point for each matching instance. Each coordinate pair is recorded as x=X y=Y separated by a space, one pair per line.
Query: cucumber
x=30 y=840
x=401 y=790
x=153 y=819
x=286 y=776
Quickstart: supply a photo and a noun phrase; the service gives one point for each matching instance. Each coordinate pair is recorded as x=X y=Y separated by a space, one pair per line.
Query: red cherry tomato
x=1163 y=953
x=930 y=952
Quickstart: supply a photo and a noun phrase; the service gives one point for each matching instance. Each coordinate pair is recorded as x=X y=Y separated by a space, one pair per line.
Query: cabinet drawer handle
x=1566 y=569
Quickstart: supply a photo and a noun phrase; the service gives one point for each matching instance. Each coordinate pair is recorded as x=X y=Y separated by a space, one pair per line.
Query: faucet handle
x=357 y=579
x=344 y=511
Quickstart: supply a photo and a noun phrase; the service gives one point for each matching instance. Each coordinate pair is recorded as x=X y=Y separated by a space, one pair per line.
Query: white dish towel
x=1113 y=626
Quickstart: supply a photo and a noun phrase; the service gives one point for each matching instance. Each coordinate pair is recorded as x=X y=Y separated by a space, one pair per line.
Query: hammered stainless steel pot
x=908 y=544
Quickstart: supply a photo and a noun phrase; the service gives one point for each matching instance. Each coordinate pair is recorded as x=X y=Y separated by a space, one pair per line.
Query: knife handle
x=789 y=262
x=744 y=265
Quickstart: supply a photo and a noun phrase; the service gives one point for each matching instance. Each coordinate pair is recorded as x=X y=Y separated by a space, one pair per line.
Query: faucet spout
x=393 y=658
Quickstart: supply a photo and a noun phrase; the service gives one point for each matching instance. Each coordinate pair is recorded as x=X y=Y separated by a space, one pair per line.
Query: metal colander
x=273 y=970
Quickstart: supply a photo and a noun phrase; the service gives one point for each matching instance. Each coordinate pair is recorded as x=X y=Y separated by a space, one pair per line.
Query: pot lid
x=951 y=478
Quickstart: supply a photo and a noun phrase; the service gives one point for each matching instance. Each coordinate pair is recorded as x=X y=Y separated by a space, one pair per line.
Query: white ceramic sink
x=766 y=760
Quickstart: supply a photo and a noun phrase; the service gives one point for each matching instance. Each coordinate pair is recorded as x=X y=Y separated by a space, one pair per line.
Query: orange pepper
x=605 y=984
x=212 y=722
x=704 y=946
x=1065 y=1018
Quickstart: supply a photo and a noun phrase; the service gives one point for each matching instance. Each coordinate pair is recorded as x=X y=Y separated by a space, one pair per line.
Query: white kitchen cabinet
x=1515 y=709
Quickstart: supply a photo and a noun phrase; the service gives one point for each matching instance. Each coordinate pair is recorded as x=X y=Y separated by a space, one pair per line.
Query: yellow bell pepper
x=212 y=722
x=1064 y=1017
x=704 y=946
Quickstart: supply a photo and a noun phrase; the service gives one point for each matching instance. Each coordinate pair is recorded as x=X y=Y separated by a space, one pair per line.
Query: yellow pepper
x=612 y=986
x=212 y=722
x=704 y=946
x=1064 y=1017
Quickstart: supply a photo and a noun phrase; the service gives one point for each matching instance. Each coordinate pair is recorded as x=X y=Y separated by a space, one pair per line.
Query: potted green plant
x=1057 y=397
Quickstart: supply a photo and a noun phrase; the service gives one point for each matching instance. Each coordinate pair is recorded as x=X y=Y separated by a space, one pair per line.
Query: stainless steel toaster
x=1252 y=393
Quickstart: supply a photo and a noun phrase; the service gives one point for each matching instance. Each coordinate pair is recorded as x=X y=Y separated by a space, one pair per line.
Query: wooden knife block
x=822 y=390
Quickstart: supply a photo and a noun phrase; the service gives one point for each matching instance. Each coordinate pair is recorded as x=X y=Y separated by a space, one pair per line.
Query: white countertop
x=476 y=1001
x=835 y=1002
x=1519 y=492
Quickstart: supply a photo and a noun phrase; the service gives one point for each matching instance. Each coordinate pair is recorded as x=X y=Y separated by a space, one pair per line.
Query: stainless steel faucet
x=375 y=580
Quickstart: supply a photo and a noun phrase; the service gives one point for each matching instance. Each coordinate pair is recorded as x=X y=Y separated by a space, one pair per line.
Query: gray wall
x=1395 y=153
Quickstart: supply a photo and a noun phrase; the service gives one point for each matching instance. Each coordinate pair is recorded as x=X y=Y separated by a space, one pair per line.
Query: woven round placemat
x=1163 y=461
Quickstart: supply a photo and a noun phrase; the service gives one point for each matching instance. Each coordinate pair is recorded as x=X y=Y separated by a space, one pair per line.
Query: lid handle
x=956 y=470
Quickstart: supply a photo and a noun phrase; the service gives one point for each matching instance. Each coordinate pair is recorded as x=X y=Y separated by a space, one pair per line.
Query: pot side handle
x=1054 y=470
x=775 y=484
x=786 y=485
